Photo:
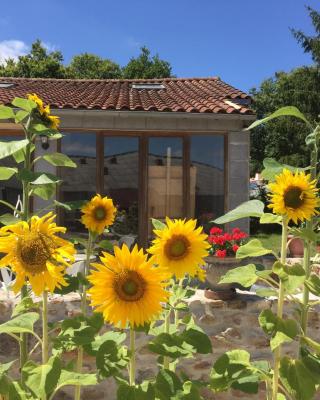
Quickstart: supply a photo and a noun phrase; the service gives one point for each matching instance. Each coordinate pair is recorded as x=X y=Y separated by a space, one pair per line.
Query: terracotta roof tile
x=193 y=95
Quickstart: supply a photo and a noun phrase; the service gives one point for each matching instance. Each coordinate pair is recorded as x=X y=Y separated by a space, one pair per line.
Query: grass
x=269 y=240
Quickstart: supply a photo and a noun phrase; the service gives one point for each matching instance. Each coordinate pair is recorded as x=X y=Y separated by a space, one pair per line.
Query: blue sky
x=243 y=42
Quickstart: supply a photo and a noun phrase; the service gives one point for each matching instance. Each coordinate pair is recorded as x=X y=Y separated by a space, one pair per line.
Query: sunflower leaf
x=158 y=225
x=21 y=324
x=253 y=248
x=251 y=208
x=288 y=111
x=9 y=148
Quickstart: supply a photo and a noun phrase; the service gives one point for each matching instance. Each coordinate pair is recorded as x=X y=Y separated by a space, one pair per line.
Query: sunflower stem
x=132 y=364
x=307 y=249
x=45 y=343
x=166 y=361
x=277 y=352
x=83 y=294
x=25 y=216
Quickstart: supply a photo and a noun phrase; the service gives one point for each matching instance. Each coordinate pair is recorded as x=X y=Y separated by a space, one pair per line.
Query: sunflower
x=126 y=288
x=45 y=112
x=36 y=254
x=98 y=213
x=180 y=248
x=38 y=102
x=294 y=195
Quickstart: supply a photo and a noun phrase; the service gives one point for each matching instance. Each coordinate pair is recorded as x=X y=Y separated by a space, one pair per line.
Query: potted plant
x=222 y=258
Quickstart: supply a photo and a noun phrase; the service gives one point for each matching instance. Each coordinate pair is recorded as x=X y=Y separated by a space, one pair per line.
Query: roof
x=191 y=95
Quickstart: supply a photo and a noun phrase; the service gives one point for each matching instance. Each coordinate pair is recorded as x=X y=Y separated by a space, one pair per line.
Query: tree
x=145 y=66
x=284 y=138
x=39 y=63
x=310 y=44
x=90 y=66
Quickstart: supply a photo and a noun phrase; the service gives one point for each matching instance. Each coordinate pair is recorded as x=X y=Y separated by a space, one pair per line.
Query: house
x=158 y=147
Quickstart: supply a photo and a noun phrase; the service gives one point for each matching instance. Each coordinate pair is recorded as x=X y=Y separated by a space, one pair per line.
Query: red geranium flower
x=235 y=248
x=221 y=253
x=215 y=230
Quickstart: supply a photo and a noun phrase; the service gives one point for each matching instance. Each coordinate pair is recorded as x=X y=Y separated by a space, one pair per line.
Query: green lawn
x=269 y=240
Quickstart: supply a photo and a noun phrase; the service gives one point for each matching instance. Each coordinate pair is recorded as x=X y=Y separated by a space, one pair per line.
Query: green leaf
x=42 y=379
x=198 y=340
x=59 y=160
x=234 y=370
x=26 y=304
x=313 y=284
x=292 y=276
x=45 y=179
x=253 y=248
x=268 y=218
x=245 y=275
x=297 y=379
x=20 y=116
x=273 y=168
x=45 y=192
x=145 y=391
x=171 y=345
x=20 y=324
x=288 y=111
x=9 y=148
x=105 y=245
x=20 y=154
x=6 y=112
x=311 y=343
x=111 y=358
x=158 y=225
x=281 y=330
x=7 y=173
x=17 y=392
x=305 y=234
x=27 y=105
x=251 y=208
x=8 y=219
x=167 y=384
x=75 y=379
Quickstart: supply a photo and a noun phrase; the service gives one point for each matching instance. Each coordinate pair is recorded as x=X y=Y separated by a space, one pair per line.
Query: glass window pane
x=165 y=178
x=207 y=177
x=121 y=181
x=78 y=183
x=10 y=190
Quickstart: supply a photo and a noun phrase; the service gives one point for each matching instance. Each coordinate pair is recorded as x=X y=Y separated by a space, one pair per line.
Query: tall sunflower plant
x=33 y=247
x=294 y=204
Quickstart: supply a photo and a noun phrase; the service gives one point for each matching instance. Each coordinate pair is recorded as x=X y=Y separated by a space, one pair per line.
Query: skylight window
x=6 y=85
x=150 y=86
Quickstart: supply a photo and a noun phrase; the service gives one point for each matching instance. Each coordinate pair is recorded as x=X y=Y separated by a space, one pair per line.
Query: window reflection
x=10 y=190
x=78 y=183
x=207 y=177
x=165 y=178
x=121 y=181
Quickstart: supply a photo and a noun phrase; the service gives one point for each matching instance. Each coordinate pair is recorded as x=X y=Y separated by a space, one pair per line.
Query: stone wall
x=230 y=325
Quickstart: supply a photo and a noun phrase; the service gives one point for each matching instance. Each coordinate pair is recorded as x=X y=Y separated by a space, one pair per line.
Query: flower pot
x=295 y=247
x=217 y=267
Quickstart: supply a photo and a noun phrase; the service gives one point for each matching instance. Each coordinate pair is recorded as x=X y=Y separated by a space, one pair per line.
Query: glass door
x=121 y=183
x=165 y=178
